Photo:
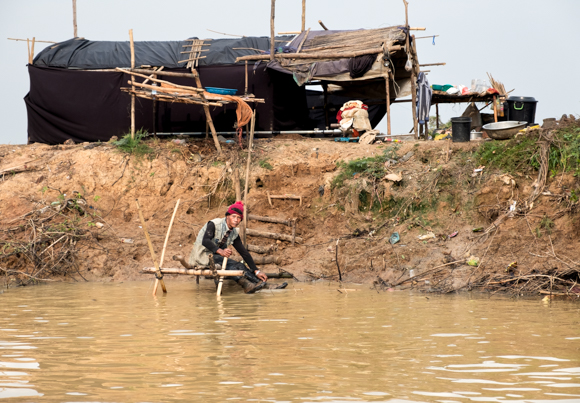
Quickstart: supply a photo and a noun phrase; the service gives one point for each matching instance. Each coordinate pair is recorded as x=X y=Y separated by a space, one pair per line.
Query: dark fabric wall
x=89 y=106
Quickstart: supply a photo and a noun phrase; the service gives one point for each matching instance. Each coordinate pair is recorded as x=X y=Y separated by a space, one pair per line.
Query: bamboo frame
x=207 y=113
x=317 y=56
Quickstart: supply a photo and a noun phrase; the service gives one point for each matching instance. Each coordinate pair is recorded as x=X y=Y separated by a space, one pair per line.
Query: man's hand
x=224 y=252
x=261 y=276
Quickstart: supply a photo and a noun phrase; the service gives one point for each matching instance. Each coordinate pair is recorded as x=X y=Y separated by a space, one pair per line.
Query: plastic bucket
x=522 y=109
x=460 y=129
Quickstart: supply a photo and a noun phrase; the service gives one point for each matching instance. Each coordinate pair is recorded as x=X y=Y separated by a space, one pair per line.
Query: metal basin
x=504 y=130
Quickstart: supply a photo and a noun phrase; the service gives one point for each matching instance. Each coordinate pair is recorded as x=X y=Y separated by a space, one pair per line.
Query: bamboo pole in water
x=158 y=272
x=165 y=244
x=221 y=280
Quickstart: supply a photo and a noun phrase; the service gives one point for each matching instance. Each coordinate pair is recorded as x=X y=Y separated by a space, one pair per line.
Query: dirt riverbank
x=65 y=211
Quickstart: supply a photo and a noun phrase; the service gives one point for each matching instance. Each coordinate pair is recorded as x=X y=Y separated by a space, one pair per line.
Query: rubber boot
x=249 y=287
x=270 y=286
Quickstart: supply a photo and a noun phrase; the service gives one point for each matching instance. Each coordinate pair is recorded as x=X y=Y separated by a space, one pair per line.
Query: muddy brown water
x=113 y=342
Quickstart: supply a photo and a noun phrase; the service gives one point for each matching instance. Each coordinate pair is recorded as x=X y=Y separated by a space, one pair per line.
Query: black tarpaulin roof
x=86 y=54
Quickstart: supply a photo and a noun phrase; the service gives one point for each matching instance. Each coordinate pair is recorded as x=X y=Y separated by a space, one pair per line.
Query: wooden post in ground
x=495 y=108
x=303 y=15
x=132 y=46
x=272 y=34
x=387 y=85
x=158 y=274
x=207 y=113
x=250 y=141
x=437 y=113
x=75 y=18
x=165 y=245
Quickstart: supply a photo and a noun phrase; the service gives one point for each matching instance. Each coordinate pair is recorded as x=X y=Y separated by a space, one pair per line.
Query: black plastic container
x=522 y=109
x=460 y=128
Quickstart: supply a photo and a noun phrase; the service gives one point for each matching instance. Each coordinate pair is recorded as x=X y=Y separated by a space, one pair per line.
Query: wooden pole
x=495 y=108
x=303 y=15
x=322 y=25
x=32 y=50
x=75 y=18
x=238 y=191
x=250 y=141
x=165 y=244
x=272 y=34
x=132 y=84
x=207 y=113
x=437 y=113
x=158 y=271
x=387 y=85
x=28 y=47
x=413 y=77
x=246 y=87
x=221 y=280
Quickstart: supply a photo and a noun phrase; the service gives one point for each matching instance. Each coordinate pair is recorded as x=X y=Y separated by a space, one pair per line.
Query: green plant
x=370 y=167
x=263 y=163
x=96 y=198
x=135 y=146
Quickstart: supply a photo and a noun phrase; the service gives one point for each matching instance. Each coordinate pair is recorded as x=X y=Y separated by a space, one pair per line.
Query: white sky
x=530 y=45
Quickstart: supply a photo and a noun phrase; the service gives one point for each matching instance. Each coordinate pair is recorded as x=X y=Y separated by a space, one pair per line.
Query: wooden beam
x=321 y=55
x=25 y=40
x=270 y=219
x=432 y=64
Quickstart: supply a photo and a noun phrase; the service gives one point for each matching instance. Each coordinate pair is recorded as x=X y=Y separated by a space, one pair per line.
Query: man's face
x=233 y=220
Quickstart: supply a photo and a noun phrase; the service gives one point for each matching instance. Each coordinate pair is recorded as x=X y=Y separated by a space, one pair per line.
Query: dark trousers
x=233 y=265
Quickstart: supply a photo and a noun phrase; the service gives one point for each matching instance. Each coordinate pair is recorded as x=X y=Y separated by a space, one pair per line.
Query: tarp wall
x=89 y=105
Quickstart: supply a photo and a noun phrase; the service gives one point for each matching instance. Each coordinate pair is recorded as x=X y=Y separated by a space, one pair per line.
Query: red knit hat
x=236 y=208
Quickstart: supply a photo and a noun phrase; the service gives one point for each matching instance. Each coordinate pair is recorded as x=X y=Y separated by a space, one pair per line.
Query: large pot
x=503 y=130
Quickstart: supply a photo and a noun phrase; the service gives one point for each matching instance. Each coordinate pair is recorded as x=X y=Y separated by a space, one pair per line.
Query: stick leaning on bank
x=165 y=245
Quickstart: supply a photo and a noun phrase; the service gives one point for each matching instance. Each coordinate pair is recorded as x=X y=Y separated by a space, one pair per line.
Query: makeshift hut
x=75 y=86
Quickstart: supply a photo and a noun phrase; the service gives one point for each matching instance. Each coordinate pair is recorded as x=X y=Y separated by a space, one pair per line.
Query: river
x=114 y=342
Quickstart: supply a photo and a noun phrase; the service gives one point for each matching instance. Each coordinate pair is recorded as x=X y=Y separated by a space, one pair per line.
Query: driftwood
x=260 y=249
x=267 y=259
x=270 y=219
x=294 y=197
x=272 y=235
x=19 y=168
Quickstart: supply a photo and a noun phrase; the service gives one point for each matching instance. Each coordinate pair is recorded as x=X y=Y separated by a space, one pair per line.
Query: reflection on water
x=308 y=343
